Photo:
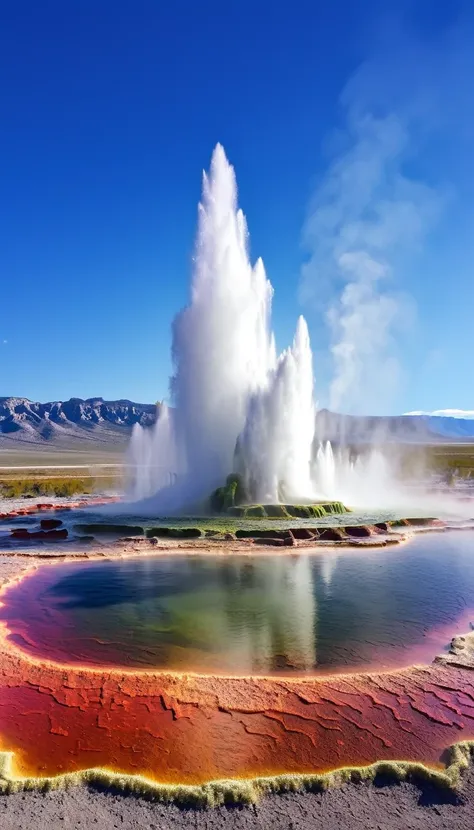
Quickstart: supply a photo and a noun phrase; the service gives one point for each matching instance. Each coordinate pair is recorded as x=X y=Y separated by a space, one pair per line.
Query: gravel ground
x=368 y=807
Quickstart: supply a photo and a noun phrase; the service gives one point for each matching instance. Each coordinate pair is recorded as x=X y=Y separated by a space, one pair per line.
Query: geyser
x=236 y=405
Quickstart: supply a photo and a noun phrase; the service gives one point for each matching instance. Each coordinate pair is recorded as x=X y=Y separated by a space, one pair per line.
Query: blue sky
x=347 y=127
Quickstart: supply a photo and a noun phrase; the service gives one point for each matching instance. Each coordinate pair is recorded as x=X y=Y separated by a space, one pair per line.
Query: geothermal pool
x=239 y=614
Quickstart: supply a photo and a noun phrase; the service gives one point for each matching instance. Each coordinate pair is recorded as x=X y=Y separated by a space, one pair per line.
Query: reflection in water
x=250 y=614
x=264 y=619
x=328 y=566
x=243 y=616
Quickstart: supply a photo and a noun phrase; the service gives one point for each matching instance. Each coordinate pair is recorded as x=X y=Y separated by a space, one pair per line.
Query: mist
x=381 y=199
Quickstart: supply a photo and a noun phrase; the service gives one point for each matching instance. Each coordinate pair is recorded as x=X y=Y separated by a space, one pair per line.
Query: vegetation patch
x=277 y=511
x=234 y=500
x=245 y=791
x=451 y=460
x=14 y=488
x=287 y=511
x=231 y=494
x=335 y=507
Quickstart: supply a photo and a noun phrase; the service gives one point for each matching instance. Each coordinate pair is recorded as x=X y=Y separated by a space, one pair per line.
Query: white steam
x=365 y=210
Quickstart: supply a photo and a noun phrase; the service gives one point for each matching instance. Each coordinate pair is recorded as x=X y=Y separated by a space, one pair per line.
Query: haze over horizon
x=351 y=139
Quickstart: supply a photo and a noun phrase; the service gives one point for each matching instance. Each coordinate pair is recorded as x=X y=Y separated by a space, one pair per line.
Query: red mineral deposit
x=180 y=728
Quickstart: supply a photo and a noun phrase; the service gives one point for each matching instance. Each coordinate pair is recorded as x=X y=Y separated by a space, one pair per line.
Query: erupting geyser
x=236 y=404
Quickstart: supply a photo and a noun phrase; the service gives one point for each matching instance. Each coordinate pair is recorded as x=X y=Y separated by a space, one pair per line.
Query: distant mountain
x=70 y=423
x=449 y=423
x=412 y=428
x=461 y=414
x=450 y=427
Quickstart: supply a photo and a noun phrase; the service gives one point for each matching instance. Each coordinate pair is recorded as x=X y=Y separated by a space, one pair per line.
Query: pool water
x=309 y=612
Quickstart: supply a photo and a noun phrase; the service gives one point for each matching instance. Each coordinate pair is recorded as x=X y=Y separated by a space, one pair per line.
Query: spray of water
x=236 y=404
x=364 y=480
x=274 y=448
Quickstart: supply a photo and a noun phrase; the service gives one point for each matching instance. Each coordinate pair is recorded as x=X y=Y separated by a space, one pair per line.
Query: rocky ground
x=372 y=807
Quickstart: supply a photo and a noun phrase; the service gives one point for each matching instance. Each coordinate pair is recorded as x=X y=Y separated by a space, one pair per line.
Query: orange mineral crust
x=192 y=729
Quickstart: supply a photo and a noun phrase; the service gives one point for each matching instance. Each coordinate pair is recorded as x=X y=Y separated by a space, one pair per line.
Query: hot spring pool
x=242 y=614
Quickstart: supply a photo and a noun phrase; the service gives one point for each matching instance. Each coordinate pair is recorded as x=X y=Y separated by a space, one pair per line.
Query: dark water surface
x=303 y=612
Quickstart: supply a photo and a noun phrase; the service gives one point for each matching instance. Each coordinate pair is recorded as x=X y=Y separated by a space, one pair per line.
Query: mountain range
x=412 y=428
x=79 y=424
x=73 y=424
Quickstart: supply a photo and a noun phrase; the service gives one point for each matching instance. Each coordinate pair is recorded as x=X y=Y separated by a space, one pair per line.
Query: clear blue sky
x=109 y=113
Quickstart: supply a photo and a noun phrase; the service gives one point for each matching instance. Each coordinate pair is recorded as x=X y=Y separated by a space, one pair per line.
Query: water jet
x=239 y=412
